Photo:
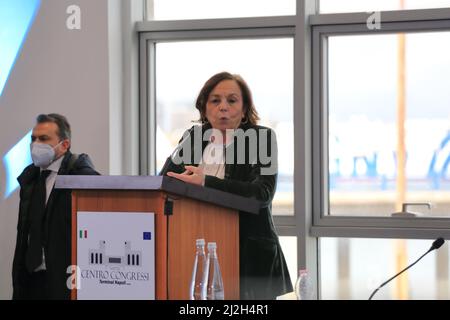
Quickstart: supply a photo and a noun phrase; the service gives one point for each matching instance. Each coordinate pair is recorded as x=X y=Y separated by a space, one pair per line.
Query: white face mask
x=42 y=154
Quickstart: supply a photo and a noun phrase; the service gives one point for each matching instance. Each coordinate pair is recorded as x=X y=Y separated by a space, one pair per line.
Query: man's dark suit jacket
x=58 y=220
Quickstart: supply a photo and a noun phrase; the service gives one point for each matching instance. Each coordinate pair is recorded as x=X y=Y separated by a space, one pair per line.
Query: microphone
x=436 y=245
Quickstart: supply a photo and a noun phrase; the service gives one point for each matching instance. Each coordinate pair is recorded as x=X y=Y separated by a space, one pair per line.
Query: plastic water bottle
x=197 y=290
x=215 y=289
x=303 y=286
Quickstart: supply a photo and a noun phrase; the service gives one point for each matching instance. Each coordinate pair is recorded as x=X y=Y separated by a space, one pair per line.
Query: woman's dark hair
x=251 y=115
x=61 y=121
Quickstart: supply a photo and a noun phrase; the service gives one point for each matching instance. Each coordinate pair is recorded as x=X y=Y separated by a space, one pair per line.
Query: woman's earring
x=246 y=120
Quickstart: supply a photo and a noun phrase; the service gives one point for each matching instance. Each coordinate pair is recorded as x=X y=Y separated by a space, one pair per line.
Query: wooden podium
x=183 y=213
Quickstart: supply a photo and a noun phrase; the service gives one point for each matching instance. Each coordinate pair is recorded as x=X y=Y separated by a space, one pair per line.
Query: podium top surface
x=161 y=183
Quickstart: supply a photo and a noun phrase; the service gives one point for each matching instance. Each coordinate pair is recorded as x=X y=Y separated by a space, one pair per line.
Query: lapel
x=27 y=181
x=196 y=157
x=231 y=168
x=28 y=176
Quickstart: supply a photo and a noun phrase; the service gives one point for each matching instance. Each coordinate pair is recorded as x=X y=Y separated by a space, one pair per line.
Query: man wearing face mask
x=43 y=245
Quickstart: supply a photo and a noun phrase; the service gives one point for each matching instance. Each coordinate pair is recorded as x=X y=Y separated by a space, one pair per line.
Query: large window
x=179 y=79
x=365 y=87
x=335 y=6
x=381 y=131
x=353 y=268
x=381 y=117
x=210 y=9
x=177 y=57
x=359 y=101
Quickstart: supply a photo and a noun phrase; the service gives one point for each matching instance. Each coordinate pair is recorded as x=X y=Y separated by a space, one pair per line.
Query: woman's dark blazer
x=263 y=269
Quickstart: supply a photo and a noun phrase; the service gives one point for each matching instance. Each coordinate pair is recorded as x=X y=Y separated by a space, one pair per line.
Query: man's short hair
x=61 y=121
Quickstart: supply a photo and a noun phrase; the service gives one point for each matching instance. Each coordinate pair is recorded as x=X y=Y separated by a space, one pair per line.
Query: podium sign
x=116 y=255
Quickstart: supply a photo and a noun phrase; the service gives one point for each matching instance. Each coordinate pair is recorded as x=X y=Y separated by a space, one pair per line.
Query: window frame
x=308 y=28
x=296 y=26
x=326 y=25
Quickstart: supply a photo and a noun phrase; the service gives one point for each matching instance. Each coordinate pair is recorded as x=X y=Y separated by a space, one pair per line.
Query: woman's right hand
x=193 y=175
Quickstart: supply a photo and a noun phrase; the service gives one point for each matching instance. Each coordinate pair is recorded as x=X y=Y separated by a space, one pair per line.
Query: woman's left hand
x=192 y=175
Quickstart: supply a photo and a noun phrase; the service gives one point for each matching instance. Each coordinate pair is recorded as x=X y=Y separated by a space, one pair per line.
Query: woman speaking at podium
x=230 y=152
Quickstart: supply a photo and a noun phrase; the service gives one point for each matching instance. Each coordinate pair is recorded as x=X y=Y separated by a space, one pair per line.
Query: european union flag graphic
x=147 y=236
x=16 y=17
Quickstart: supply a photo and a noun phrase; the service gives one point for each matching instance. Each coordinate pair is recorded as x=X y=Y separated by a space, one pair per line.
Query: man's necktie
x=37 y=209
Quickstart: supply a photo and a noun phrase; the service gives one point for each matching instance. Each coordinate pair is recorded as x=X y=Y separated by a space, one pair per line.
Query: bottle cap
x=303 y=271
x=212 y=245
x=200 y=242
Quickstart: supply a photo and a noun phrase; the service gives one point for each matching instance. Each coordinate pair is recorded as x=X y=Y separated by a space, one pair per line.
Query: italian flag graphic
x=83 y=234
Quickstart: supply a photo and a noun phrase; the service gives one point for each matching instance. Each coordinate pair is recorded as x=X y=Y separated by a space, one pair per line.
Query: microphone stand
x=436 y=245
x=376 y=290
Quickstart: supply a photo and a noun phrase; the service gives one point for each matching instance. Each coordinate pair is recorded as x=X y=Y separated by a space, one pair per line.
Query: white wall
x=63 y=71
